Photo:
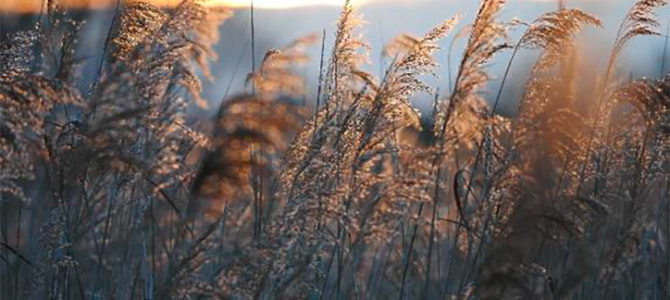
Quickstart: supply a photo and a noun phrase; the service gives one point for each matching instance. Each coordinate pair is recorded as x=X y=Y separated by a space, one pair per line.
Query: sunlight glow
x=279 y=4
x=31 y=6
x=27 y=6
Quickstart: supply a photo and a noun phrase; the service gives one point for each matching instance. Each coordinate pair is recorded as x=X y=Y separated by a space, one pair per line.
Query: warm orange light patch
x=278 y=3
x=35 y=5
x=26 y=6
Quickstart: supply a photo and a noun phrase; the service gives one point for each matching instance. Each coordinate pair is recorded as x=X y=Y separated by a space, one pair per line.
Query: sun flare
x=279 y=4
x=27 y=6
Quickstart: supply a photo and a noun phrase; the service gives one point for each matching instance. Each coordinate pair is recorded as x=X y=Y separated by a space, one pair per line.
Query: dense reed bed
x=113 y=191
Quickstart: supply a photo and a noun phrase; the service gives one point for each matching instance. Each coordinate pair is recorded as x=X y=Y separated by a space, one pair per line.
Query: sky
x=278 y=22
x=35 y=5
x=386 y=19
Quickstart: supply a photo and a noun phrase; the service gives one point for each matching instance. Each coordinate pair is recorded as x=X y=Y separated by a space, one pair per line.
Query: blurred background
x=278 y=22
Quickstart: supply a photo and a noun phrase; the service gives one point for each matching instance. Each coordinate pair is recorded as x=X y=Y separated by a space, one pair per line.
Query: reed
x=114 y=190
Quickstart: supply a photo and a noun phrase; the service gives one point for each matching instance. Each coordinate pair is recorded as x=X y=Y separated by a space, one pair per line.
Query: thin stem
x=504 y=78
x=320 y=87
x=430 y=247
x=237 y=67
x=105 y=49
x=253 y=45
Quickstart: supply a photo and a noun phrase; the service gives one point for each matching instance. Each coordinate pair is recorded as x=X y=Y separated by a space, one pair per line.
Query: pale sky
x=388 y=18
x=385 y=19
x=34 y=5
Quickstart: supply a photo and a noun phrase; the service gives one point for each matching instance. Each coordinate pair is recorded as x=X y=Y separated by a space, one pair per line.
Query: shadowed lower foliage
x=116 y=190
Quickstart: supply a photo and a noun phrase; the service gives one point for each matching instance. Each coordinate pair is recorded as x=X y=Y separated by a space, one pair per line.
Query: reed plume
x=116 y=186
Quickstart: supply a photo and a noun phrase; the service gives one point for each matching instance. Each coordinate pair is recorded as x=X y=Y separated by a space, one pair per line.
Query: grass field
x=117 y=190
